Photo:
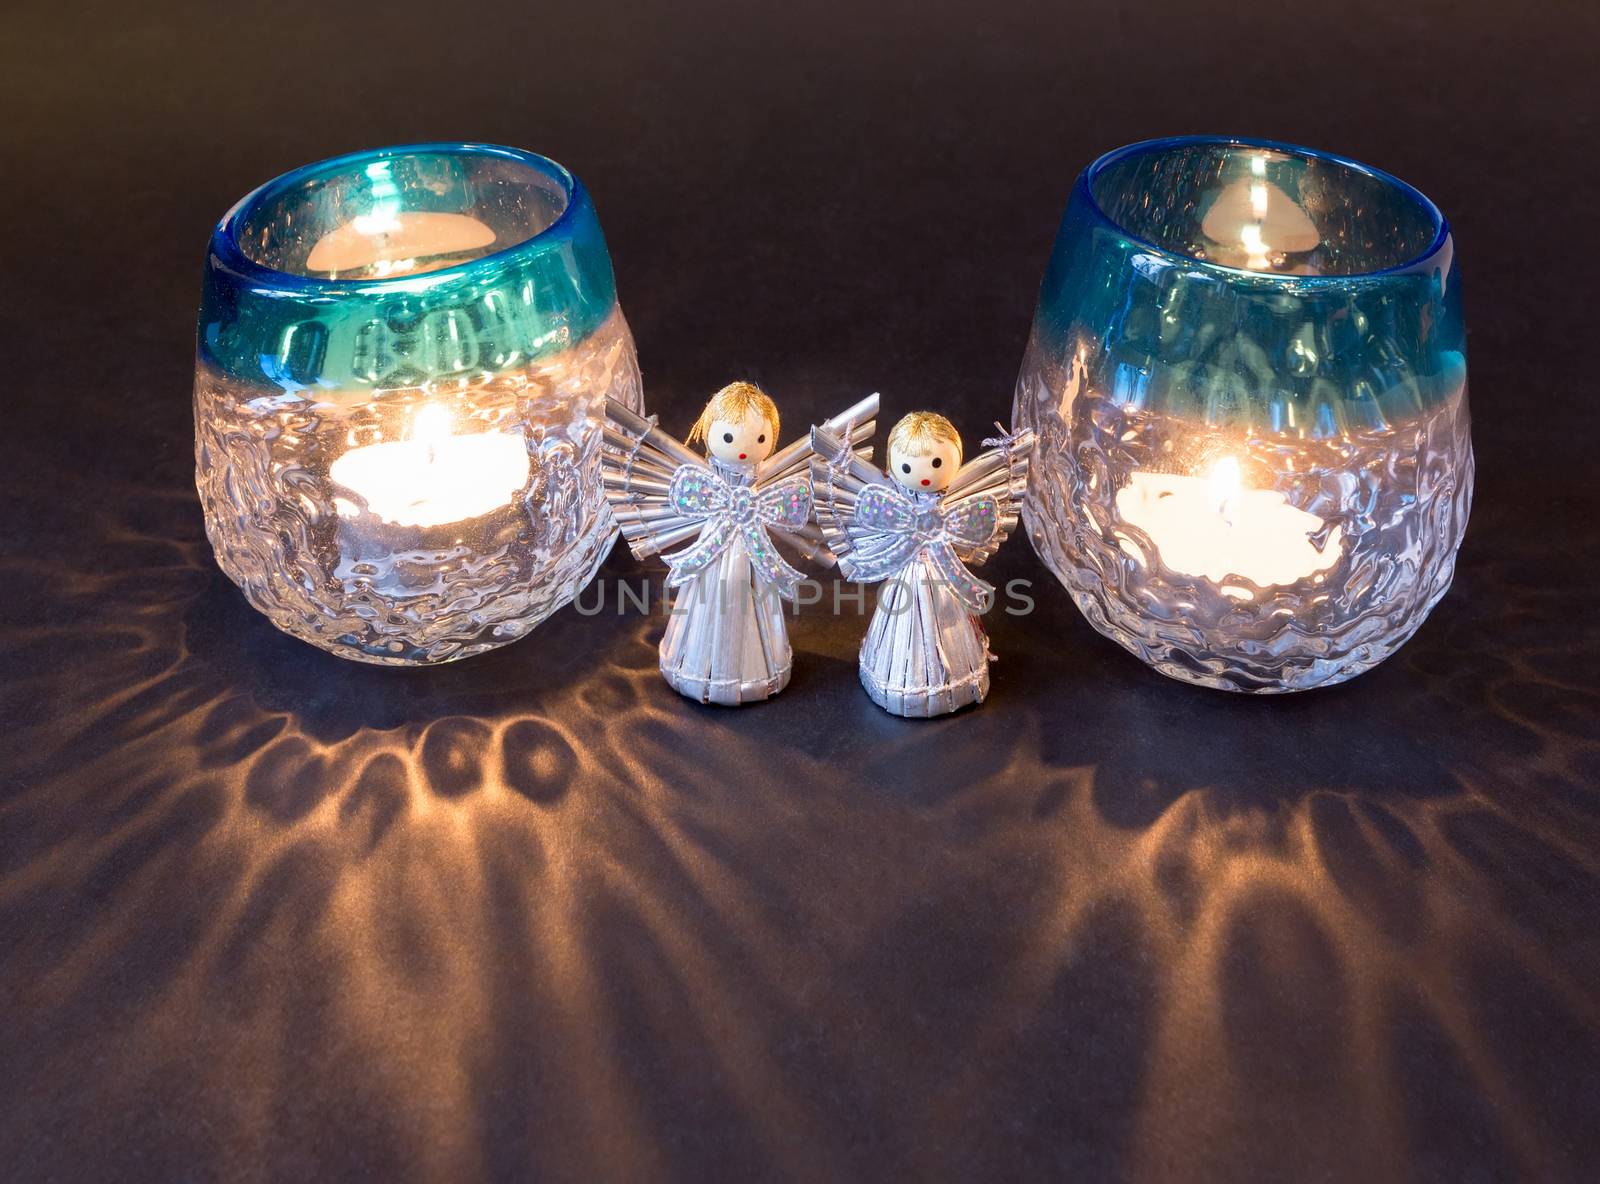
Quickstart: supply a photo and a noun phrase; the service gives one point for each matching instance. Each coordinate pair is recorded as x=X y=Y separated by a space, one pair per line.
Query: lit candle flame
x=1256 y=249
x=433 y=476
x=430 y=427
x=1212 y=525
x=1224 y=482
x=1255 y=223
x=1250 y=234
x=380 y=221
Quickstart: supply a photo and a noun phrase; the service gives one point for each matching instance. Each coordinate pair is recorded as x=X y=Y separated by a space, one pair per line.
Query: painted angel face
x=925 y=472
x=745 y=442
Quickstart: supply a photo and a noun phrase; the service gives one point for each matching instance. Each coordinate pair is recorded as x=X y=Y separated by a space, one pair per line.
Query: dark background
x=267 y=914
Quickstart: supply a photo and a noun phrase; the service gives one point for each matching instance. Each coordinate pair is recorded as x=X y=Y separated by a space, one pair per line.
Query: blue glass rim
x=285 y=329
x=225 y=242
x=1084 y=188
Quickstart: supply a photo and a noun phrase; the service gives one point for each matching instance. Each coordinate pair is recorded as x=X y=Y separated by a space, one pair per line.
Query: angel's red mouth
x=741 y=456
x=925 y=481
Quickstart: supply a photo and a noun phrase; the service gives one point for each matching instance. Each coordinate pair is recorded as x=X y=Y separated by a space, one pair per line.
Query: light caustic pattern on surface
x=1244 y=562
x=261 y=906
x=422 y=525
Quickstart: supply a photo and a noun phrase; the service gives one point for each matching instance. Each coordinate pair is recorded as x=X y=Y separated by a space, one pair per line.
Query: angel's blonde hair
x=917 y=433
x=731 y=404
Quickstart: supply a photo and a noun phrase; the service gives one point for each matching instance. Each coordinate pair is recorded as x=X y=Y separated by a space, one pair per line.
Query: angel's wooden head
x=739 y=425
x=924 y=452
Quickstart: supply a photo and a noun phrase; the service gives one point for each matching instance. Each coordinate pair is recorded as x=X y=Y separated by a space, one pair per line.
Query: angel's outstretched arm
x=860 y=421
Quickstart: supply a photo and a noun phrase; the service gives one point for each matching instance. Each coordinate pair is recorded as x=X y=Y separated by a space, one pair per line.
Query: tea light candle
x=386 y=243
x=1213 y=527
x=432 y=478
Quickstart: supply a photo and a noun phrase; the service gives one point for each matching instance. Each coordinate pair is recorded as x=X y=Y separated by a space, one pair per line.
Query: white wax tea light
x=434 y=477
x=386 y=243
x=1212 y=527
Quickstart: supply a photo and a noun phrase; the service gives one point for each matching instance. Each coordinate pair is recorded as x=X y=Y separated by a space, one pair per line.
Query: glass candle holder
x=403 y=358
x=1247 y=373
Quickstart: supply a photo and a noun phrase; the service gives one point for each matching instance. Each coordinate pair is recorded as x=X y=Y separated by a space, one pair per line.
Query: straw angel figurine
x=726 y=641
x=918 y=528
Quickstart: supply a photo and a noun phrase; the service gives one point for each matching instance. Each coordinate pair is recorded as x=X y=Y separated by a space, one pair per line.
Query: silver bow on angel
x=731 y=510
x=906 y=528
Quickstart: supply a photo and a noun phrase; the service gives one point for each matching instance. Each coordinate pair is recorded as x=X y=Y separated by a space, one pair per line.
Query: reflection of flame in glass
x=1258 y=199
x=1255 y=247
x=1254 y=223
x=380 y=221
x=388 y=240
x=1250 y=235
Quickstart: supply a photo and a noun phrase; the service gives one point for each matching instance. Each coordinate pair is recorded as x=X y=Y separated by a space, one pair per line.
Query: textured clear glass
x=402 y=364
x=1247 y=373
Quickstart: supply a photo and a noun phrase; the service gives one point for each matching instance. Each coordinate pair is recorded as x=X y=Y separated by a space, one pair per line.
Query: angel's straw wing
x=637 y=466
x=1001 y=472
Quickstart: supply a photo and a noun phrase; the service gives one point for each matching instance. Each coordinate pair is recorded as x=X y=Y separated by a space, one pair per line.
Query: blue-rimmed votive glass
x=1247 y=372
x=403 y=358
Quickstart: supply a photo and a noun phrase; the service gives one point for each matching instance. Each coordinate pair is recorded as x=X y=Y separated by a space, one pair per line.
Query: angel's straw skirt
x=726 y=640
x=924 y=654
